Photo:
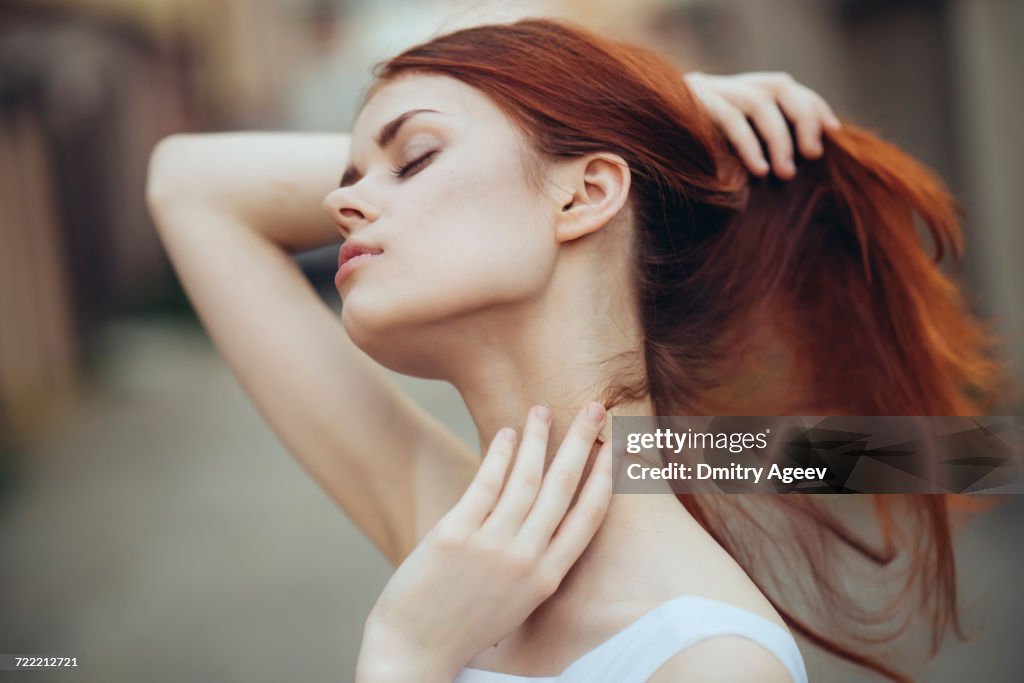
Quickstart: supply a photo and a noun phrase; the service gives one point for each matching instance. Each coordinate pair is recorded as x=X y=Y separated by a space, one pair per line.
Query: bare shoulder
x=723 y=659
x=696 y=564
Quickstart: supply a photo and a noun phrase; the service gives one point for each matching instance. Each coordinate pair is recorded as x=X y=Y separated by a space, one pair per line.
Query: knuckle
x=565 y=481
x=488 y=548
x=746 y=143
x=449 y=536
x=592 y=514
x=803 y=110
x=733 y=117
x=546 y=583
x=746 y=101
x=521 y=559
x=764 y=107
x=783 y=78
x=489 y=486
x=529 y=478
x=517 y=558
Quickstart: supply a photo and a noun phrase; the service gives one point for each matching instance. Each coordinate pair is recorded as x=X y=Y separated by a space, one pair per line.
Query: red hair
x=825 y=275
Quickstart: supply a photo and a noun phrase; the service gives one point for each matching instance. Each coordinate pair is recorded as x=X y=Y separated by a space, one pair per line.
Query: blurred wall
x=83 y=98
x=989 y=103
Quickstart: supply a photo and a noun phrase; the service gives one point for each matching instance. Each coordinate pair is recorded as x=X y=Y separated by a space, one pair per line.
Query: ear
x=592 y=190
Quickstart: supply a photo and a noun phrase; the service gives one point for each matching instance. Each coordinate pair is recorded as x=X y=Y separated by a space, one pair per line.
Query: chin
x=390 y=339
x=365 y=321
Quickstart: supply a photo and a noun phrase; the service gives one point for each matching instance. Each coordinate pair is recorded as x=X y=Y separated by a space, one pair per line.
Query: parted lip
x=351 y=249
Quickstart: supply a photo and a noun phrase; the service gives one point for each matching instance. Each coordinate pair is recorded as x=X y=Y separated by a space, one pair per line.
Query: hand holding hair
x=757 y=107
x=500 y=552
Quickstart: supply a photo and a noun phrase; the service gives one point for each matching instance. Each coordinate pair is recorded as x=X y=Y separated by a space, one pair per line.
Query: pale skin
x=498 y=553
x=496 y=265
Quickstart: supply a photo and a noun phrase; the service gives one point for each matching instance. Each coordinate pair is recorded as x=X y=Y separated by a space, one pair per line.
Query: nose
x=349 y=211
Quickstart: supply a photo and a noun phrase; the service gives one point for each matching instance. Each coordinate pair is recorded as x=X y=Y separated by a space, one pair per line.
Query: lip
x=351 y=255
x=351 y=249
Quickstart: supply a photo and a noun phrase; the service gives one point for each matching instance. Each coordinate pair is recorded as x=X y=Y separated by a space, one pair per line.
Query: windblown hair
x=824 y=278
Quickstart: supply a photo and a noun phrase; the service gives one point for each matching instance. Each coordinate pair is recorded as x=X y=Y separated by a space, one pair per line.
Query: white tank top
x=633 y=654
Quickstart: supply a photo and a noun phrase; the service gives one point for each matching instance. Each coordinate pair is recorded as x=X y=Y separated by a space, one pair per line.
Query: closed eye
x=413 y=165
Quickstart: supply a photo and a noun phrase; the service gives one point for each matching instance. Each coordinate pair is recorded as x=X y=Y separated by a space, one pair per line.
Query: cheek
x=464 y=241
x=478 y=231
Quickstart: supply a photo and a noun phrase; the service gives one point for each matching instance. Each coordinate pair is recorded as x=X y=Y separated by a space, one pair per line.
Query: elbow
x=167 y=175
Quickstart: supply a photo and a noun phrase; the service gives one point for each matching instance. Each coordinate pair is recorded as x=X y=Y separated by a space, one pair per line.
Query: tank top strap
x=636 y=652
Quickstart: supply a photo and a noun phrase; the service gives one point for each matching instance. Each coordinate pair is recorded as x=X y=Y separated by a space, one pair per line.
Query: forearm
x=273 y=183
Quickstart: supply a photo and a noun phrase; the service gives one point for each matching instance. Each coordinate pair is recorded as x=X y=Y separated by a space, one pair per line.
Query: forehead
x=461 y=103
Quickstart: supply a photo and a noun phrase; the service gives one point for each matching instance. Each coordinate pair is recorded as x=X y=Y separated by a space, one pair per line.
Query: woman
x=545 y=216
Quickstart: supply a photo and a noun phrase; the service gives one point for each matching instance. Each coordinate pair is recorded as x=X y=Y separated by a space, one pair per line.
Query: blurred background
x=150 y=522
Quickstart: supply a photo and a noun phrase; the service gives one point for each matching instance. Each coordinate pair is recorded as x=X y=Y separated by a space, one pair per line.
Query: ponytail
x=875 y=325
x=832 y=263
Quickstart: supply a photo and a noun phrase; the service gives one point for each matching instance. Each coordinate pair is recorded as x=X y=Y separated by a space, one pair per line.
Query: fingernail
x=543 y=413
x=595 y=411
x=508 y=434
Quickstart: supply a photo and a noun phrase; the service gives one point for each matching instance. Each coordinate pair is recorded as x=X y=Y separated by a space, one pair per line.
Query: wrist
x=388 y=657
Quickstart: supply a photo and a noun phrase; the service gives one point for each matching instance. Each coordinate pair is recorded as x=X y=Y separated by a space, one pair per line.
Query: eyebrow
x=387 y=133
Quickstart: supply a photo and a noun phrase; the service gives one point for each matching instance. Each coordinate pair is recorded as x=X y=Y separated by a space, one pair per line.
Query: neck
x=562 y=349
x=562 y=361
x=548 y=352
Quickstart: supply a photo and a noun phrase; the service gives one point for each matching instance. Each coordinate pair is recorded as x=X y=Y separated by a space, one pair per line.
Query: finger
x=742 y=137
x=524 y=482
x=481 y=495
x=778 y=83
x=829 y=120
x=563 y=477
x=584 y=519
x=800 y=109
x=771 y=126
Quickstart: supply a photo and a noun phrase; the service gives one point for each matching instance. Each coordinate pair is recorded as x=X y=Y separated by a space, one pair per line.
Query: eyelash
x=415 y=163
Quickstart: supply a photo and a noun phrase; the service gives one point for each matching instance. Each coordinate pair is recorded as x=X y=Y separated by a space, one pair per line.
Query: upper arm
x=367 y=444
x=723 y=659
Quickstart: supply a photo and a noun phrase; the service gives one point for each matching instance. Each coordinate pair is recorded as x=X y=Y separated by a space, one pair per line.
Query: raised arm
x=231 y=209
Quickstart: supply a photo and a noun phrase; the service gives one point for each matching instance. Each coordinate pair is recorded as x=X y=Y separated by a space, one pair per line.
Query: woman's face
x=445 y=197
